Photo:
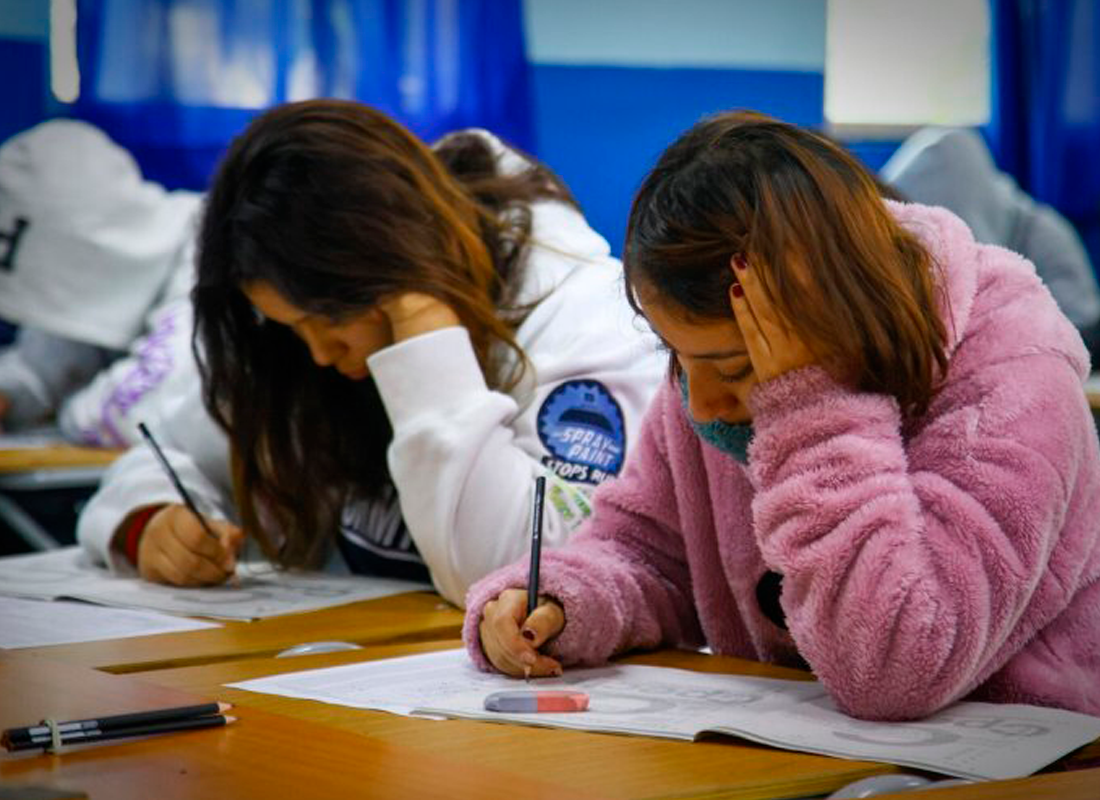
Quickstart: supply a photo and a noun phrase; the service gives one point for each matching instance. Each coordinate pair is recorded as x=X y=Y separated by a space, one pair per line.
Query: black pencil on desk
x=38 y=735
x=536 y=546
x=172 y=476
x=89 y=736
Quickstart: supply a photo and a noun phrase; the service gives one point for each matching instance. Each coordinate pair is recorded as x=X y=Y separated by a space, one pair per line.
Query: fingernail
x=737 y=290
x=556 y=672
x=528 y=634
x=740 y=262
x=527 y=657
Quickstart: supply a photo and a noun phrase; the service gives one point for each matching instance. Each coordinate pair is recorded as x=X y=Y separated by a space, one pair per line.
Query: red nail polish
x=737 y=290
x=528 y=634
x=740 y=262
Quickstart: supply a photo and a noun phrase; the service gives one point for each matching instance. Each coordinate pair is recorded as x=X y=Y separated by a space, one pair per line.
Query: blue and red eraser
x=532 y=700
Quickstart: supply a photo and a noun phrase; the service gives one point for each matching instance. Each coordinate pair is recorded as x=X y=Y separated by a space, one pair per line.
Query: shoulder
x=992 y=301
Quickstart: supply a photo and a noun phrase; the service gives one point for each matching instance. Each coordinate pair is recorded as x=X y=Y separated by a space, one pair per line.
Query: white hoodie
x=463 y=457
x=953 y=168
x=96 y=266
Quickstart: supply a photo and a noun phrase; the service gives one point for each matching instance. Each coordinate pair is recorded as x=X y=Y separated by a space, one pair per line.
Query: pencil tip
x=223 y=707
x=229 y=719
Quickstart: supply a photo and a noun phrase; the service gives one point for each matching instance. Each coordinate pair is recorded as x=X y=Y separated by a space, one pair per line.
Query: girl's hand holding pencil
x=178 y=544
x=519 y=622
x=177 y=549
x=511 y=638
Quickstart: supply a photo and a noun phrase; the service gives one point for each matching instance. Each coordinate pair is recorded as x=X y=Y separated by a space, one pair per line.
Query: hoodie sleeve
x=197 y=450
x=623 y=581
x=916 y=564
x=464 y=457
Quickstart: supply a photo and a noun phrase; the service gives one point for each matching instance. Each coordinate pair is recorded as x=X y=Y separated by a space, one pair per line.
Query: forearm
x=907 y=564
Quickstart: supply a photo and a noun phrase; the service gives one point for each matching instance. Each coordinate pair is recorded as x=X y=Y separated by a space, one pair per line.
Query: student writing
x=395 y=340
x=874 y=457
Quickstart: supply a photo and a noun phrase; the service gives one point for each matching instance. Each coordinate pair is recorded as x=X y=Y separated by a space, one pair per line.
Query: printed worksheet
x=261 y=591
x=967 y=740
x=34 y=623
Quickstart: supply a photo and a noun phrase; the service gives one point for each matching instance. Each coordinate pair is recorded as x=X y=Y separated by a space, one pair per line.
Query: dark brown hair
x=334 y=205
x=810 y=220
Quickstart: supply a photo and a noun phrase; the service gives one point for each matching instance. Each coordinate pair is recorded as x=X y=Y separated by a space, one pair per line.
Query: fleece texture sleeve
x=908 y=565
x=197 y=450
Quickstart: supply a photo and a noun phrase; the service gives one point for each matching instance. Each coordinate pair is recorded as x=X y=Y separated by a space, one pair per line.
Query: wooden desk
x=263 y=755
x=612 y=766
x=410 y=617
x=54 y=457
x=609 y=765
x=322 y=751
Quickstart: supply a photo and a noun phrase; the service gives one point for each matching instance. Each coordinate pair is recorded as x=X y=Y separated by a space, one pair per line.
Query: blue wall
x=615 y=81
x=24 y=91
x=602 y=128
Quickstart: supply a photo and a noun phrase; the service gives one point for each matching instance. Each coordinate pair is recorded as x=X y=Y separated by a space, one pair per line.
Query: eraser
x=533 y=700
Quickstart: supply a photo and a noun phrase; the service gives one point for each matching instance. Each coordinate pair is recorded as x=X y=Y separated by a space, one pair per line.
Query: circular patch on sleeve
x=581 y=426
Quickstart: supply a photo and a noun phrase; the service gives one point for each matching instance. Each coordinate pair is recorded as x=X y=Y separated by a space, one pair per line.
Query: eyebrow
x=712 y=356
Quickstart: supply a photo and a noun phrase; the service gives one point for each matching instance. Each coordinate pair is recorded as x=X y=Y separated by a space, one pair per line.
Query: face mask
x=733 y=440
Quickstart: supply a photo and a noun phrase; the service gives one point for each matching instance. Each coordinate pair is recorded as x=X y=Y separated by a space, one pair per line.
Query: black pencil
x=536 y=546
x=172 y=476
x=81 y=727
x=89 y=736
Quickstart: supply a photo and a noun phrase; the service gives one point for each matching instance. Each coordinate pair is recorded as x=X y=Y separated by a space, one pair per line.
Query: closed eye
x=738 y=376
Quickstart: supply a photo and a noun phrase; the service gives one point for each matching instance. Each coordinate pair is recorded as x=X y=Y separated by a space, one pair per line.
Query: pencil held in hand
x=536 y=546
x=172 y=476
x=188 y=502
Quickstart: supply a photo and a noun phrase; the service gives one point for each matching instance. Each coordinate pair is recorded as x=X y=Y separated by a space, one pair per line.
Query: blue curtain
x=1045 y=125
x=174 y=80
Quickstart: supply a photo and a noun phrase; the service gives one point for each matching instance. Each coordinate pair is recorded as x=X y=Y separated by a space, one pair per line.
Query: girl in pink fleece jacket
x=873 y=457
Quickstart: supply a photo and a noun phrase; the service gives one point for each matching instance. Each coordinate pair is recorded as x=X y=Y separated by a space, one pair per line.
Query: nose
x=708 y=400
x=322 y=350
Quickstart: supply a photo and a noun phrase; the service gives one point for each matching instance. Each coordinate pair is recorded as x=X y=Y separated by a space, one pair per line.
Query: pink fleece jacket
x=954 y=555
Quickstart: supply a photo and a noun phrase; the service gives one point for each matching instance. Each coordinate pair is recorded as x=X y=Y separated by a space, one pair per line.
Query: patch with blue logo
x=581 y=425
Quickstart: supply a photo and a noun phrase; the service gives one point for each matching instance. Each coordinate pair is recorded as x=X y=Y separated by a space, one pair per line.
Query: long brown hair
x=856 y=286
x=334 y=205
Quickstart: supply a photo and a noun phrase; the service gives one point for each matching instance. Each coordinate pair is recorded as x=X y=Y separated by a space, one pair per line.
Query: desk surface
x=316 y=750
x=263 y=755
x=25 y=459
x=609 y=765
x=410 y=617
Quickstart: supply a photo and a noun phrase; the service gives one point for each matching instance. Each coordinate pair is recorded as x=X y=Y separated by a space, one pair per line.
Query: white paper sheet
x=262 y=591
x=33 y=623
x=967 y=740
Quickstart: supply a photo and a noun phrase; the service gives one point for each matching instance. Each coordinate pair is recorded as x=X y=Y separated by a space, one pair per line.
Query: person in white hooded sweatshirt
x=953 y=168
x=396 y=340
x=96 y=264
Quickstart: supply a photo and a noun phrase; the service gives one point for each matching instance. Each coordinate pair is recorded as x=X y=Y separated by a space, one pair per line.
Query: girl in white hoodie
x=395 y=340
